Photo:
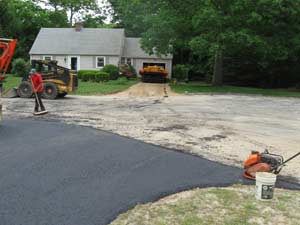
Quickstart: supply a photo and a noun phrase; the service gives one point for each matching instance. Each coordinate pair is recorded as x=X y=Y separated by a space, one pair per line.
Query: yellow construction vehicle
x=58 y=80
x=154 y=74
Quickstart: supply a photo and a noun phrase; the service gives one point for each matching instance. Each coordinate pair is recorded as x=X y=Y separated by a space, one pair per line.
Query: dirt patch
x=148 y=90
x=234 y=205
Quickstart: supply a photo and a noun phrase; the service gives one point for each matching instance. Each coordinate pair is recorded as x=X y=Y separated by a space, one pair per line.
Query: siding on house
x=36 y=57
x=113 y=60
x=87 y=62
x=62 y=60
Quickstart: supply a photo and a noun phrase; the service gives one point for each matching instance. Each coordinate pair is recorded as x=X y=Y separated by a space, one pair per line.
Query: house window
x=100 y=61
x=129 y=61
x=47 y=57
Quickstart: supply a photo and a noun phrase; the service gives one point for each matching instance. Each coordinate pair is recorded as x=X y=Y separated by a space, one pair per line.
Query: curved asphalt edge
x=118 y=173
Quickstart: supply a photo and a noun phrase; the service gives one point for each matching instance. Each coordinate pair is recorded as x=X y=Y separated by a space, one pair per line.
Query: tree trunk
x=217 y=79
x=71 y=17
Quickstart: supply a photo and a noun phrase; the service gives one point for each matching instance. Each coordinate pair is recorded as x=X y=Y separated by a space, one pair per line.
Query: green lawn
x=235 y=205
x=200 y=87
x=11 y=81
x=112 y=86
x=85 y=88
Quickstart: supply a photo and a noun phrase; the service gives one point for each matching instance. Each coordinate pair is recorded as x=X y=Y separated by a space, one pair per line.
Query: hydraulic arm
x=7 y=50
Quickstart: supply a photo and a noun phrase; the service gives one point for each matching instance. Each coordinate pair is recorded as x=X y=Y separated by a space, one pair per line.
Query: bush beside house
x=112 y=70
x=93 y=76
x=128 y=71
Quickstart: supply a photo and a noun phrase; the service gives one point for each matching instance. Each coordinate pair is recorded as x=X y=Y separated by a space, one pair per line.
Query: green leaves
x=26 y=18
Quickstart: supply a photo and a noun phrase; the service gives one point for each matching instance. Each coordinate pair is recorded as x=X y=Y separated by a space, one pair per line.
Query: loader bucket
x=10 y=93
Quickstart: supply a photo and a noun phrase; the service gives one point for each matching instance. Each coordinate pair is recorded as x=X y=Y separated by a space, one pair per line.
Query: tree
x=26 y=19
x=5 y=17
x=264 y=32
x=73 y=7
x=93 y=21
x=265 y=28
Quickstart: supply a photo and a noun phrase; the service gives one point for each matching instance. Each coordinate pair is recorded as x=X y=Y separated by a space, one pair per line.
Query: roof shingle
x=133 y=49
x=88 y=41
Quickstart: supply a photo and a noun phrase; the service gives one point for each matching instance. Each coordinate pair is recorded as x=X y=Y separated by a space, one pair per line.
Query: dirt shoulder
x=234 y=205
x=223 y=128
x=147 y=90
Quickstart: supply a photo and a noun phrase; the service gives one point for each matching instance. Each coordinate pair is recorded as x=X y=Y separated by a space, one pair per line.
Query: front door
x=74 y=63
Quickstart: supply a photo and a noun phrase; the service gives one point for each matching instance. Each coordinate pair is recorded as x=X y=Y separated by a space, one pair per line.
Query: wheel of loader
x=25 y=89
x=50 y=91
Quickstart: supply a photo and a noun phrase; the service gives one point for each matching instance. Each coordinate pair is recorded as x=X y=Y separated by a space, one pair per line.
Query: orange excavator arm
x=7 y=50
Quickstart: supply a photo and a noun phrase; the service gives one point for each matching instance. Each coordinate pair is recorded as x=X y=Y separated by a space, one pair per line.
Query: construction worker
x=37 y=87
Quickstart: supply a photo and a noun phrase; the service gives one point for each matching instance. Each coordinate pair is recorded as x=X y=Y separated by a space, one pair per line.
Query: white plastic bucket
x=265 y=185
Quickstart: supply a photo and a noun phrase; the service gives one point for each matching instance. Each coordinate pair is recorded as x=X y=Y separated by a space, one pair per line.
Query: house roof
x=89 y=41
x=133 y=49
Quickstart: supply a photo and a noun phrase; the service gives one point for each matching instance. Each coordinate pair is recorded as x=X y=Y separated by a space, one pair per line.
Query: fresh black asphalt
x=57 y=174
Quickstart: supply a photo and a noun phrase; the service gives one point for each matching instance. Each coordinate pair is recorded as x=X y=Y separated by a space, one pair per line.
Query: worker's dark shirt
x=37 y=82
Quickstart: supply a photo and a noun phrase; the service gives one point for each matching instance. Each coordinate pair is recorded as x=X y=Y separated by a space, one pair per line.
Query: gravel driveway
x=219 y=127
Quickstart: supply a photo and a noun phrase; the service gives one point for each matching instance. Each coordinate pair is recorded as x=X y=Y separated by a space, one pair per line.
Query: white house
x=91 y=48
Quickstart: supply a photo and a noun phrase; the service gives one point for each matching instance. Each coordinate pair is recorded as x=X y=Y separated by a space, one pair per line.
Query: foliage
x=262 y=33
x=180 y=72
x=129 y=14
x=93 y=76
x=79 y=73
x=73 y=7
x=127 y=71
x=86 y=75
x=20 y=67
x=102 y=77
x=26 y=19
x=11 y=82
x=91 y=21
x=112 y=70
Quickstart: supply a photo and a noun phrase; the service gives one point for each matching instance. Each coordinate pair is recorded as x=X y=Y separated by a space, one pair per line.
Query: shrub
x=80 y=74
x=102 y=76
x=86 y=75
x=84 y=78
x=20 y=67
x=91 y=75
x=128 y=71
x=112 y=70
x=180 y=72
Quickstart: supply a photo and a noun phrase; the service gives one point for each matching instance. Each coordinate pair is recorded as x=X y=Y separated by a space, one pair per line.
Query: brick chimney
x=78 y=26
